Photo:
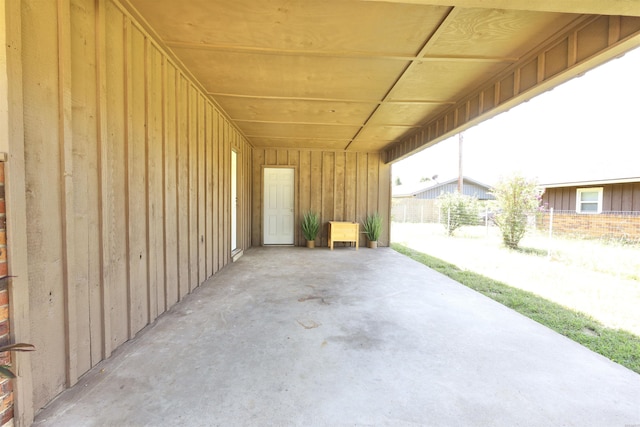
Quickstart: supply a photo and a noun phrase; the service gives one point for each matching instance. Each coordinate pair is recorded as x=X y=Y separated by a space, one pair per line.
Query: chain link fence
x=623 y=227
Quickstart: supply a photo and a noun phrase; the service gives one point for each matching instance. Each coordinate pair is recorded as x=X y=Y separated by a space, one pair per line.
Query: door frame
x=234 y=204
x=295 y=201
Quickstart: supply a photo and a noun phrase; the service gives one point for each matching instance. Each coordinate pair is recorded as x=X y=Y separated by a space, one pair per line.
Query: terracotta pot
x=373 y=244
x=311 y=244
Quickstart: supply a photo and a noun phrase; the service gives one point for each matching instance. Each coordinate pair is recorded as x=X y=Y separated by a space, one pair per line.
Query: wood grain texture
x=115 y=242
x=127 y=175
x=183 y=187
x=86 y=219
x=42 y=178
x=12 y=141
x=201 y=163
x=338 y=185
x=137 y=184
x=171 y=185
x=208 y=193
x=579 y=46
x=623 y=197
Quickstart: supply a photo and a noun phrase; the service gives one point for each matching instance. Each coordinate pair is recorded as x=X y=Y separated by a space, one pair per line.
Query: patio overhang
x=383 y=76
x=135 y=136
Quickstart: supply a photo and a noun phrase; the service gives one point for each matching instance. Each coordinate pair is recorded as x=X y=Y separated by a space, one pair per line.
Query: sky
x=585 y=129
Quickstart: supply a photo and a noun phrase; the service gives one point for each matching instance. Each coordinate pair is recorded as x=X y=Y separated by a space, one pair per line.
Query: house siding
x=127 y=175
x=623 y=197
x=619 y=219
x=468 y=189
x=340 y=186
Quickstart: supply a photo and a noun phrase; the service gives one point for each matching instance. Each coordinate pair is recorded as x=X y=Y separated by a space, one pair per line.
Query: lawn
x=618 y=345
x=600 y=279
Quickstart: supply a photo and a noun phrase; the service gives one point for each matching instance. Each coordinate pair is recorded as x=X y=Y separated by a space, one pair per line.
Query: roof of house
x=590 y=183
x=410 y=190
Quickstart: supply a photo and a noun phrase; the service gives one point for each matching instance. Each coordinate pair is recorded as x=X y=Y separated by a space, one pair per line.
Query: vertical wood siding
x=127 y=169
x=623 y=197
x=340 y=186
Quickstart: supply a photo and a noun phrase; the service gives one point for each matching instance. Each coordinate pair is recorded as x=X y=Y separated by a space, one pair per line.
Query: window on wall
x=589 y=200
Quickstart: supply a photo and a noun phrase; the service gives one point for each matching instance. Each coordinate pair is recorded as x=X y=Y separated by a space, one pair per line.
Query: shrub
x=517 y=197
x=457 y=210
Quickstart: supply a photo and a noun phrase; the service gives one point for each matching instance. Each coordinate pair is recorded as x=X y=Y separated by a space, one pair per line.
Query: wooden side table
x=340 y=231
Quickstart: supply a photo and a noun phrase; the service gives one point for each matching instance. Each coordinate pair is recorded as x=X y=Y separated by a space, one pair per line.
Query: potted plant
x=310 y=228
x=372 y=228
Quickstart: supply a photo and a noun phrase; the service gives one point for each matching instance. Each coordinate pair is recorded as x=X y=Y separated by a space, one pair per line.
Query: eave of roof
x=591 y=183
x=415 y=190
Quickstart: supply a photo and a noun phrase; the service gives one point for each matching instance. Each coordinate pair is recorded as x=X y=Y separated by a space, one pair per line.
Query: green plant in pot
x=372 y=228
x=310 y=228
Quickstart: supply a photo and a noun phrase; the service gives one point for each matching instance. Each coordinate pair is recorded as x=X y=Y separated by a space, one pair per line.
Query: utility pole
x=460 y=138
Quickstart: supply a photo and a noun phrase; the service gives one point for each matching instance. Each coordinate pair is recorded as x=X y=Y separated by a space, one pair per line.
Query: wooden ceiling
x=353 y=74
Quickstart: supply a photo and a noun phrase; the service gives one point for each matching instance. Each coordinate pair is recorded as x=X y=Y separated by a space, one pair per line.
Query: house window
x=589 y=200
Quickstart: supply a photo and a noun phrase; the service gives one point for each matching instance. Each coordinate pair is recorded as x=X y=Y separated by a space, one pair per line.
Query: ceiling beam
x=589 y=7
x=334 y=53
x=353 y=101
x=432 y=38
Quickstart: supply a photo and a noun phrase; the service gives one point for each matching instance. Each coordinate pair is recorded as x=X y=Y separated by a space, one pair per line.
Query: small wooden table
x=340 y=231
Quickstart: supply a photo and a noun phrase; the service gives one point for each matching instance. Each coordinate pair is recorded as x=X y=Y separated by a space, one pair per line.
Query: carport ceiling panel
x=496 y=33
x=368 y=144
x=295 y=130
x=383 y=133
x=301 y=143
x=302 y=25
x=296 y=111
x=407 y=113
x=444 y=81
x=269 y=75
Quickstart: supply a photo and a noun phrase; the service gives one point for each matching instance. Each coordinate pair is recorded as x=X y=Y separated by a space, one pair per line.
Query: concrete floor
x=301 y=337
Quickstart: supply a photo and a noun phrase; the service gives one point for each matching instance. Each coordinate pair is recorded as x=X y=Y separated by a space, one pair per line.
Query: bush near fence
x=425 y=211
x=623 y=226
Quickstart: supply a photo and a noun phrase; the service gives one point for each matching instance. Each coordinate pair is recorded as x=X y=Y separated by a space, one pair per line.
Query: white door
x=234 y=200
x=278 y=206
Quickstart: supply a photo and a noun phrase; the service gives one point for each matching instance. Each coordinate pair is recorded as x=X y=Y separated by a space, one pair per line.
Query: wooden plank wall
x=341 y=186
x=623 y=197
x=127 y=171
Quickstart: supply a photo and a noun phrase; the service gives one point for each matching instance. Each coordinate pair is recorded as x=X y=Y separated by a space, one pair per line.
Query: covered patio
x=291 y=336
x=145 y=145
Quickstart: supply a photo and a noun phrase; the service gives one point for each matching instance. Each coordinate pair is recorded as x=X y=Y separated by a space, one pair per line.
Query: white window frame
x=579 y=202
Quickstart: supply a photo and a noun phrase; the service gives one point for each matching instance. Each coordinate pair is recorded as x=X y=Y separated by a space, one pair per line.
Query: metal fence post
x=486 y=221
x=550 y=231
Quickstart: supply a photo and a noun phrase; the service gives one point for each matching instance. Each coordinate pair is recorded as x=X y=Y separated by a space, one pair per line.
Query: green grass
x=620 y=346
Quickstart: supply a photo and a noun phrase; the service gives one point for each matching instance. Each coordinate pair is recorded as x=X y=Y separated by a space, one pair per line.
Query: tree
x=398 y=182
x=457 y=210
x=425 y=179
x=516 y=197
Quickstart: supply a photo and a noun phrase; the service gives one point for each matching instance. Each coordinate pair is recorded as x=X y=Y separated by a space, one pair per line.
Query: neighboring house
x=417 y=203
x=594 y=197
x=433 y=189
x=608 y=208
